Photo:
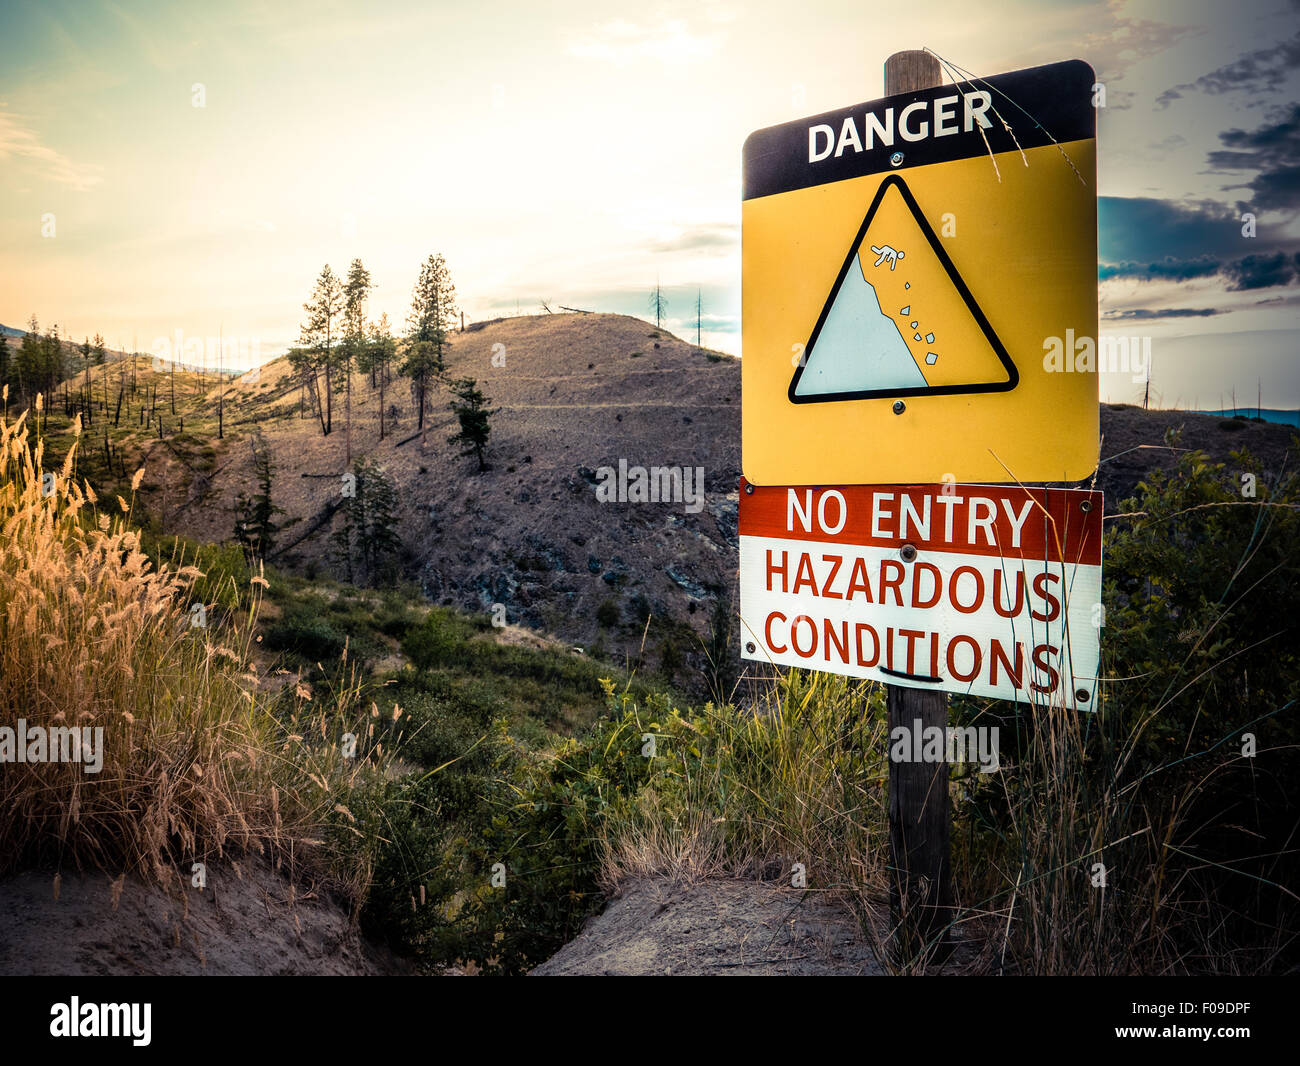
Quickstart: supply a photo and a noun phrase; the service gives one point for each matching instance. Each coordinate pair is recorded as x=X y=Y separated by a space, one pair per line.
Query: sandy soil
x=248 y=921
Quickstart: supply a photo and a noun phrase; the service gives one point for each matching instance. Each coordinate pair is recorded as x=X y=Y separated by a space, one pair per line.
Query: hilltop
x=576 y=393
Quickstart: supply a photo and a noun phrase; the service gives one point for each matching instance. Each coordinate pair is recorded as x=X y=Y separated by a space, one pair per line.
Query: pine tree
x=433 y=307
x=421 y=366
x=473 y=414
x=52 y=368
x=355 y=292
x=255 y=526
x=433 y=310
x=27 y=362
x=378 y=356
x=318 y=340
x=366 y=538
x=381 y=545
x=658 y=304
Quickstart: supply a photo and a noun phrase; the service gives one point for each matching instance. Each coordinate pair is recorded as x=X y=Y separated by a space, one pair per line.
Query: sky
x=185 y=169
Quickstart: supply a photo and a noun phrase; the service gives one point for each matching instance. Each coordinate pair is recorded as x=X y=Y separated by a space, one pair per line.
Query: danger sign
x=983 y=589
x=909 y=267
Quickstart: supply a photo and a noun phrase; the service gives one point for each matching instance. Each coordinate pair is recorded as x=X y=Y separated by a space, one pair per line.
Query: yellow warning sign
x=912 y=268
x=899 y=321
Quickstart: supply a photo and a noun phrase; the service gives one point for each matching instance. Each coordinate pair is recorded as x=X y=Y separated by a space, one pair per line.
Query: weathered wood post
x=920 y=893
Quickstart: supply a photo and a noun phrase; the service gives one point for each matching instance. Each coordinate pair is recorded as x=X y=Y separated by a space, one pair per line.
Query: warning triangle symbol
x=899 y=320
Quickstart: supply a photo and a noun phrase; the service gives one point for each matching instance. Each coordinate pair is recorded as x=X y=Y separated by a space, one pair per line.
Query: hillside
x=576 y=393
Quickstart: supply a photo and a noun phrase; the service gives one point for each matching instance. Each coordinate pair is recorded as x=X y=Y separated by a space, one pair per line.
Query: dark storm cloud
x=1161 y=240
x=1162 y=270
x=1264 y=70
x=1160 y=312
x=1273 y=151
x=1262 y=271
x=1137 y=229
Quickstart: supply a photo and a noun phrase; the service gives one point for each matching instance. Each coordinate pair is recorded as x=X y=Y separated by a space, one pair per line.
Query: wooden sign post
x=920 y=871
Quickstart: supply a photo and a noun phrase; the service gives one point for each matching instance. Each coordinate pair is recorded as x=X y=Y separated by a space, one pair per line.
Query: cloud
x=1264 y=70
x=18 y=142
x=670 y=41
x=715 y=238
x=1262 y=271
x=1163 y=240
x=1272 y=150
x=1136 y=229
x=1129 y=40
x=1167 y=269
x=1161 y=312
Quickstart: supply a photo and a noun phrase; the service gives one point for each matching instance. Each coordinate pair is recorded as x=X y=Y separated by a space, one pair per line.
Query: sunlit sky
x=577 y=153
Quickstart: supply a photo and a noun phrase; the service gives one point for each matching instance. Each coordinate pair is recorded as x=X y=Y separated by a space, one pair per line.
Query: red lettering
x=777 y=570
x=911 y=635
x=828 y=638
x=1014 y=609
x=794 y=637
x=974 y=605
x=875 y=644
x=1053 y=604
x=892 y=583
x=858 y=580
x=933 y=571
x=1053 y=678
x=836 y=562
x=998 y=655
x=804 y=576
x=975 y=668
x=767 y=633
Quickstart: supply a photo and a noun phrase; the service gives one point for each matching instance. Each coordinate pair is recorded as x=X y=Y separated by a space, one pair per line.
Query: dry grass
x=751 y=793
x=197 y=764
x=1079 y=874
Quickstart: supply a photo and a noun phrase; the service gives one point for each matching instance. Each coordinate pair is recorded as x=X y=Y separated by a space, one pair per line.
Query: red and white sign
x=985 y=589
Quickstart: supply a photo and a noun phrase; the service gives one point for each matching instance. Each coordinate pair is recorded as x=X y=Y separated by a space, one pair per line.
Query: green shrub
x=608 y=614
x=307 y=635
x=438 y=640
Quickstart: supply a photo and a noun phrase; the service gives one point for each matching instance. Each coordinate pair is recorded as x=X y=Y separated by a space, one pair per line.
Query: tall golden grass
x=199 y=762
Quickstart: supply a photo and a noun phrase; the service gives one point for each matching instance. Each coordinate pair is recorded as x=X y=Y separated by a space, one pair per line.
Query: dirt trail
x=735 y=928
x=256 y=924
